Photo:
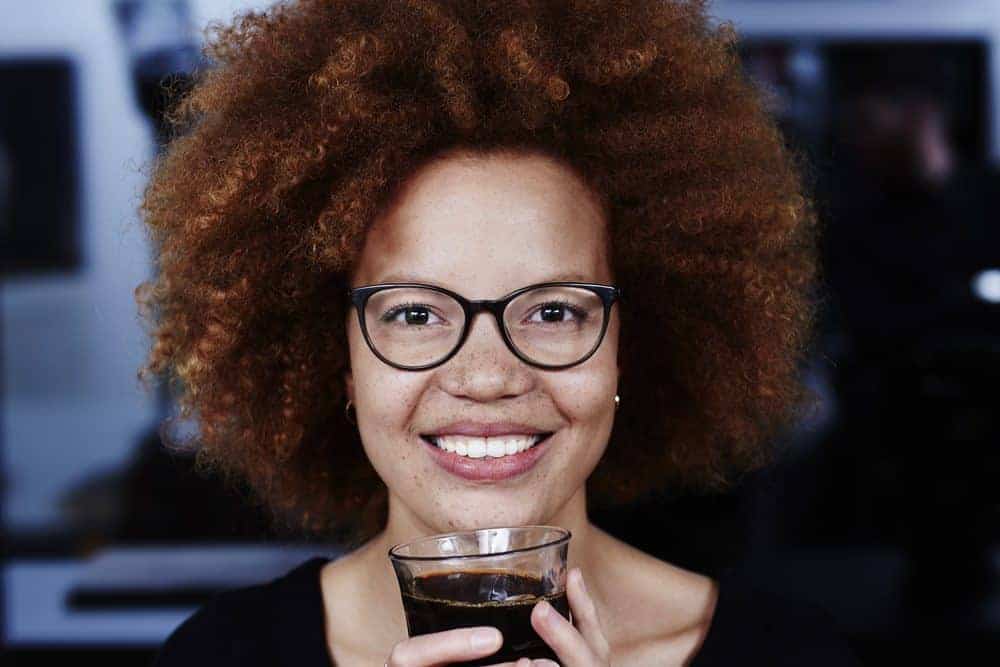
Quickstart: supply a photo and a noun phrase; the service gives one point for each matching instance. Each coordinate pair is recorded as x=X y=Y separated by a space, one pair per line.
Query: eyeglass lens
x=414 y=326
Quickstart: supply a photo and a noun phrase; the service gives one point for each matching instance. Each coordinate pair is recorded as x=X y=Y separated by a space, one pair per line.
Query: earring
x=347 y=413
x=617 y=401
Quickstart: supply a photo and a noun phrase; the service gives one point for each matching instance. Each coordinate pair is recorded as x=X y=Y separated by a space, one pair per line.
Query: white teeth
x=478 y=448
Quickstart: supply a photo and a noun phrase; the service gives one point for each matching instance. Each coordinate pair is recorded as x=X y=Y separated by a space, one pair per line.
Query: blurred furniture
x=130 y=598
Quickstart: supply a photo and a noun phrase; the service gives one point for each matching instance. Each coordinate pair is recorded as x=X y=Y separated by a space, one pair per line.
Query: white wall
x=71 y=343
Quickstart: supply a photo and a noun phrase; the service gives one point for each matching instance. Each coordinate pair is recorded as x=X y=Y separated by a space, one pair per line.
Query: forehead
x=484 y=226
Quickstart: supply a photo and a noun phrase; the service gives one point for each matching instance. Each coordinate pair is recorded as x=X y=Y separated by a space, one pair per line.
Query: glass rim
x=564 y=537
x=458 y=299
x=609 y=295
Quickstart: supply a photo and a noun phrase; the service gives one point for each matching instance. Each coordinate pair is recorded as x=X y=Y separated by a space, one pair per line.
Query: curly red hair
x=315 y=111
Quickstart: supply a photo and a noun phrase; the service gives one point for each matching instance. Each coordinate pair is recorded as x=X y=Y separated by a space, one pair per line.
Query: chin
x=475 y=520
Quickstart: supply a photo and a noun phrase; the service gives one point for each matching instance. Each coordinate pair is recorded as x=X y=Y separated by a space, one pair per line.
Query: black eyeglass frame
x=609 y=294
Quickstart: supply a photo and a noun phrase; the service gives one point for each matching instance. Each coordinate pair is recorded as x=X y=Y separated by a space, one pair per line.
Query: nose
x=484 y=369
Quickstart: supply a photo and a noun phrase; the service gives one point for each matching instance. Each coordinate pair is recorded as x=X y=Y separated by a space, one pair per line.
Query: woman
x=340 y=189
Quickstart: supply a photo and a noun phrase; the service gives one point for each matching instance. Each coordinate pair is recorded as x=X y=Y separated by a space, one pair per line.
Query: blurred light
x=986 y=285
x=805 y=64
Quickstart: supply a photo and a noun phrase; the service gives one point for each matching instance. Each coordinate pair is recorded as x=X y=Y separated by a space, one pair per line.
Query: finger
x=523 y=662
x=569 y=645
x=585 y=614
x=442 y=648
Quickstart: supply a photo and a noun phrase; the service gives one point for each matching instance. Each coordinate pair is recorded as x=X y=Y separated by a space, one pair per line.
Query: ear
x=349 y=384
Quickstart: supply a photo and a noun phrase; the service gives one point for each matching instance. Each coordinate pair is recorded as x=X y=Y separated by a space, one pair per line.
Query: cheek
x=386 y=404
x=584 y=399
x=385 y=397
x=585 y=393
x=586 y=402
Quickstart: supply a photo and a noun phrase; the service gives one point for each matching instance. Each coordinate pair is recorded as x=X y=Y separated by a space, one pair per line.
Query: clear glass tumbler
x=490 y=576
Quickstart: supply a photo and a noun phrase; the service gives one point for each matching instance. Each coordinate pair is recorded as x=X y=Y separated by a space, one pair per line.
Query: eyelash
x=578 y=312
x=389 y=316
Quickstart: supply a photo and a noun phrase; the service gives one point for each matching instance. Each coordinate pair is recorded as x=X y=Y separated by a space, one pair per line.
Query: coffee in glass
x=487 y=577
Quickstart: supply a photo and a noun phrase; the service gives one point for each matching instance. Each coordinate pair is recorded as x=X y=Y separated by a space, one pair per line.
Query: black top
x=281 y=622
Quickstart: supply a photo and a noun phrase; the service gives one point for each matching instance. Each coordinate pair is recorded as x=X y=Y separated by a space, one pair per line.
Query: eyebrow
x=571 y=276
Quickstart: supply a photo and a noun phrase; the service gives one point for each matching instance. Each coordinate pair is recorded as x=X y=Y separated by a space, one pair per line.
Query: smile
x=483 y=459
x=478 y=447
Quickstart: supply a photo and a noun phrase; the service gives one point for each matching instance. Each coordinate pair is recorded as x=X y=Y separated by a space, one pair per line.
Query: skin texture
x=484 y=227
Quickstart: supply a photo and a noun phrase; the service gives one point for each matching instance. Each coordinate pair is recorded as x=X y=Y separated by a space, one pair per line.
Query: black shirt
x=281 y=622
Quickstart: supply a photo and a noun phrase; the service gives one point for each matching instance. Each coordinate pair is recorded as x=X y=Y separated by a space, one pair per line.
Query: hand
x=586 y=647
x=442 y=648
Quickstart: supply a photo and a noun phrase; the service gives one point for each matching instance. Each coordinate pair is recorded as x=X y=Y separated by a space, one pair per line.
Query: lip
x=486 y=429
x=488 y=468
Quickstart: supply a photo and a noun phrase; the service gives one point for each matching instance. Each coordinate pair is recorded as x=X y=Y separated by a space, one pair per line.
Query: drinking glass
x=489 y=576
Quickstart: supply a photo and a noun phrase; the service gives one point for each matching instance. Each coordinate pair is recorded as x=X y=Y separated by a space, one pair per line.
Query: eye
x=554 y=312
x=413 y=313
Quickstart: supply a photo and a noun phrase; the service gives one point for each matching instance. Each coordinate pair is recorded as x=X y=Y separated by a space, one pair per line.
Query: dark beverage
x=503 y=600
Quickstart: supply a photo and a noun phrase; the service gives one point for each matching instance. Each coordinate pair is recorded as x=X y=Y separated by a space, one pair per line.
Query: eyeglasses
x=412 y=326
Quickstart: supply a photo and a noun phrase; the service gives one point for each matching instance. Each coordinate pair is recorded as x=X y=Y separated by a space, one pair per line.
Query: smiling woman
x=348 y=192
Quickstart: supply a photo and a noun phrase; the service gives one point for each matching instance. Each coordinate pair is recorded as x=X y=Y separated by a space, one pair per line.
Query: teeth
x=478 y=448
x=495 y=448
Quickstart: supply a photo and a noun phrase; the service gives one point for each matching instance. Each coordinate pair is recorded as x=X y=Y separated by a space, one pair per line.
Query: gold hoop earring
x=347 y=413
x=617 y=401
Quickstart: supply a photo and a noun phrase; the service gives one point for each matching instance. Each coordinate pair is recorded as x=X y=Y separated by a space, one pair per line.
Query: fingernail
x=544 y=608
x=485 y=638
x=579 y=579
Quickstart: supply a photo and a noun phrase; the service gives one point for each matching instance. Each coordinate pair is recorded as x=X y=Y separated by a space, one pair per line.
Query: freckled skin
x=485 y=227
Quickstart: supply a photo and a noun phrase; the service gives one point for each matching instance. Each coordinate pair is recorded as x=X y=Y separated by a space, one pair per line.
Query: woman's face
x=484 y=228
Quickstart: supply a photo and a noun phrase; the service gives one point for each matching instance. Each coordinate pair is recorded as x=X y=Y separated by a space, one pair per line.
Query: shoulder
x=653 y=611
x=707 y=622
x=223 y=631
x=766 y=627
x=242 y=626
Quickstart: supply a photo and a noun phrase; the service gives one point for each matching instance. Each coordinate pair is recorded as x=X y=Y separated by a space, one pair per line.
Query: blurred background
x=885 y=509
